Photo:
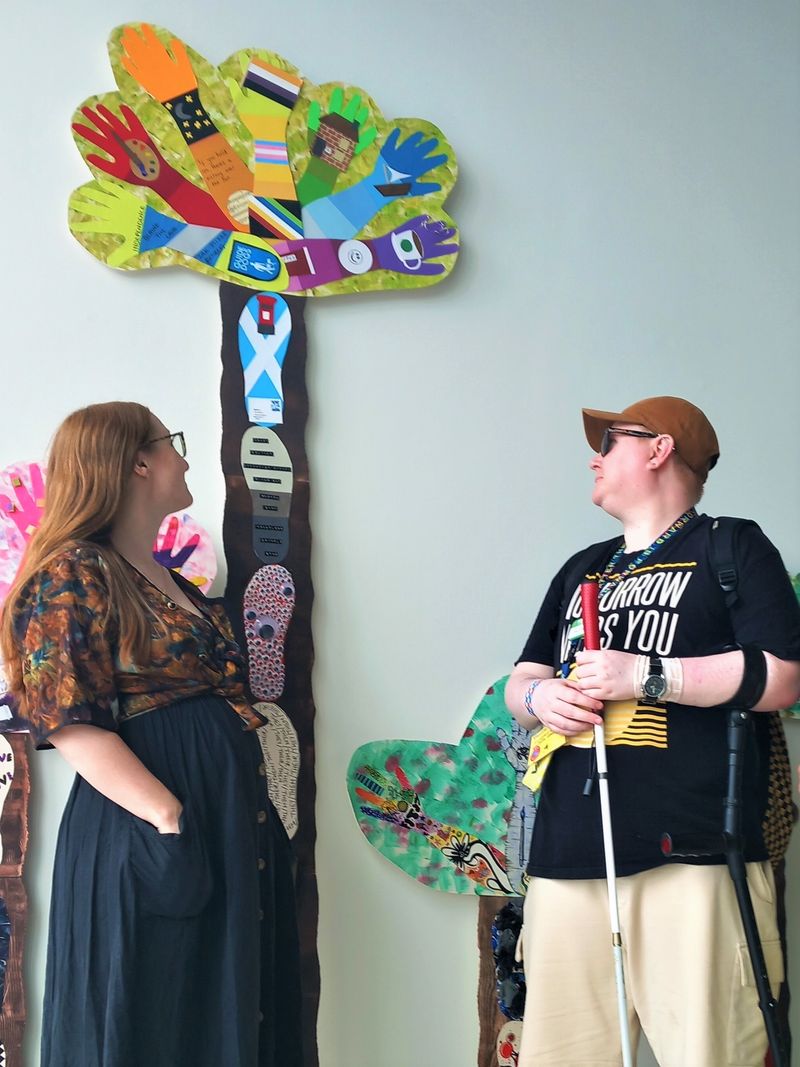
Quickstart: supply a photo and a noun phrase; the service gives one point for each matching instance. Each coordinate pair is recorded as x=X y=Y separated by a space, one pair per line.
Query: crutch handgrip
x=590 y=615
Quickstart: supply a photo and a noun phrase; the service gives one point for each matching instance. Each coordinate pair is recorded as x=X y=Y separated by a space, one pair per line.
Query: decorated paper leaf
x=267 y=608
x=250 y=173
x=281 y=750
x=182 y=544
x=454 y=817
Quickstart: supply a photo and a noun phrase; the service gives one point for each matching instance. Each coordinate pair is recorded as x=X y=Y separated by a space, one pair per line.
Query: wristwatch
x=654 y=685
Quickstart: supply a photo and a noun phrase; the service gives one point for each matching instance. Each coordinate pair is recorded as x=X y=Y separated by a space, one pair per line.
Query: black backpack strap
x=722 y=553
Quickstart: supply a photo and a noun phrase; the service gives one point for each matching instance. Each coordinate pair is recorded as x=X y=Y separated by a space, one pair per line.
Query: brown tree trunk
x=14 y=835
x=296 y=699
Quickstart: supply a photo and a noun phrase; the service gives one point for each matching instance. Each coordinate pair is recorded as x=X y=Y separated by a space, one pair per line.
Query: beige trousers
x=689 y=982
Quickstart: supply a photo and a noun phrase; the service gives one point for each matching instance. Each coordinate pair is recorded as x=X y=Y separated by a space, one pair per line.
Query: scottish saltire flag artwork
x=251 y=173
x=264 y=329
x=454 y=817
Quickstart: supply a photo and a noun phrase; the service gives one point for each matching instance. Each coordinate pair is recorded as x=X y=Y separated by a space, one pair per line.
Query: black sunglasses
x=607 y=439
x=177 y=440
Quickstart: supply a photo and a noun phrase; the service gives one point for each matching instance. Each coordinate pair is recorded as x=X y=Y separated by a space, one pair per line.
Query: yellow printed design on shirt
x=627 y=722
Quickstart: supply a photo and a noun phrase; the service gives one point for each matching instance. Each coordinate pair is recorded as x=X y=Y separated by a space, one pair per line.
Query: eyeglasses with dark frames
x=177 y=440
x=607 y=439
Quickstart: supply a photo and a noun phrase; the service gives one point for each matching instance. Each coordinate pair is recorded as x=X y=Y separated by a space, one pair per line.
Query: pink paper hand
x=26 y=511
x=164 y=545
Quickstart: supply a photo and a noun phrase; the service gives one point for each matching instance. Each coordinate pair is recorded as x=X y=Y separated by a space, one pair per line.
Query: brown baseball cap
x=694 y=436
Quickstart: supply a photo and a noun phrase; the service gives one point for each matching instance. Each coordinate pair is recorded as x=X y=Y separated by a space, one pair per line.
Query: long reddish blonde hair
x=90 y=463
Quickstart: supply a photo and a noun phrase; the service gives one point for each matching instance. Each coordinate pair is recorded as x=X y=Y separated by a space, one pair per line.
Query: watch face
x=655 y=686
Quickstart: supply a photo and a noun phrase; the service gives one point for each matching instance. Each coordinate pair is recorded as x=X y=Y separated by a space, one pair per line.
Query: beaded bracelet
x=529 y=695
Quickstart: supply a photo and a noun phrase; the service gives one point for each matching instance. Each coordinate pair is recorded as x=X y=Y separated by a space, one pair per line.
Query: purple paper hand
x=408 y=248
x=26 y=510
x=163 y=546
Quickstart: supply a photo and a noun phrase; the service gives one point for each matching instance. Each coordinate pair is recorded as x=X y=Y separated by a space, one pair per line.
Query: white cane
x=591 y=641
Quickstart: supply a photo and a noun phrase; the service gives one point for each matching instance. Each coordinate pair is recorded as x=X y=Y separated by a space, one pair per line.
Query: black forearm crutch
x=731 y=844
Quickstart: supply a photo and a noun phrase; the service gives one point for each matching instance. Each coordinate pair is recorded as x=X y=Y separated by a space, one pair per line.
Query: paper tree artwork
x=250 y=173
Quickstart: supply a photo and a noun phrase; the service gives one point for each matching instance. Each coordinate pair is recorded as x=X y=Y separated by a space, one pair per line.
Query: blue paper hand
x=397 y=171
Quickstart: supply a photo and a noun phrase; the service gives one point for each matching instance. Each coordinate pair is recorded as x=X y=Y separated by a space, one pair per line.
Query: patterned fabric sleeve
x=62 y=628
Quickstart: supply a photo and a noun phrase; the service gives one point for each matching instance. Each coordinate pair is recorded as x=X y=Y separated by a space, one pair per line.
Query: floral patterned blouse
x=72 y=671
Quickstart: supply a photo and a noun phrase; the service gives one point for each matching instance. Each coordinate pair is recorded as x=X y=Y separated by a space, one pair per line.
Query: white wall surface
x=629 y=210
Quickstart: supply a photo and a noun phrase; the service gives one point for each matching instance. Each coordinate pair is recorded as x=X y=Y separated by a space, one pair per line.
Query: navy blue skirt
x=175 y=949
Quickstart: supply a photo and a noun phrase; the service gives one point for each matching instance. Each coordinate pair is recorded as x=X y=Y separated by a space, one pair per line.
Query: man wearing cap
x=674 y=659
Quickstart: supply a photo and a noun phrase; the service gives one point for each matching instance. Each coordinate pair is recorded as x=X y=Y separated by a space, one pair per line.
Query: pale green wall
x=629 y=209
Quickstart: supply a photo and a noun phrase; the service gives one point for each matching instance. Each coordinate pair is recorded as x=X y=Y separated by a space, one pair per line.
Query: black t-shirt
x=667 y=765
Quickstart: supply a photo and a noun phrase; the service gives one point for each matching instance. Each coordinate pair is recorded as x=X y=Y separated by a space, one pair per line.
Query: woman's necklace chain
x=608 y=578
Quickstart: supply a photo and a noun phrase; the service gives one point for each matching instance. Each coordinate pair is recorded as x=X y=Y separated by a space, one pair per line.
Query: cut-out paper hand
x=406 y=249
x=26 y=510
x=234 y=256
x=397 y=171
x=110 y=209
x=163 y=72
x=248 y=104
x=401 y=163
x=264 y=103
x=409 y=247
x=167 y=74
x=335 y=138
x=132 y=156
x=163 y=549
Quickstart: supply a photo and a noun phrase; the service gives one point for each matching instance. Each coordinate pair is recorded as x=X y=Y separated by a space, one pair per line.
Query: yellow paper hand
x=110 y=209
x=159 y=73
x=247 y=102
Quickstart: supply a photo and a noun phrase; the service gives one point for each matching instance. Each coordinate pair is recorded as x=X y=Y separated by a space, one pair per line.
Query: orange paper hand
x=160 y=73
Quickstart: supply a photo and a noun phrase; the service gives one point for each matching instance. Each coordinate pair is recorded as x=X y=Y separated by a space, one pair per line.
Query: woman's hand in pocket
x=170 y=822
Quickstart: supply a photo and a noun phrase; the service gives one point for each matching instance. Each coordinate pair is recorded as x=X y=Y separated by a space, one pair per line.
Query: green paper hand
x=111 y=209
x=354 y=113
x=334 y=138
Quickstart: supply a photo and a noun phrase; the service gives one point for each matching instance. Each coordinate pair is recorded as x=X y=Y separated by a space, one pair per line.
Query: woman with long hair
x=172 y=937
